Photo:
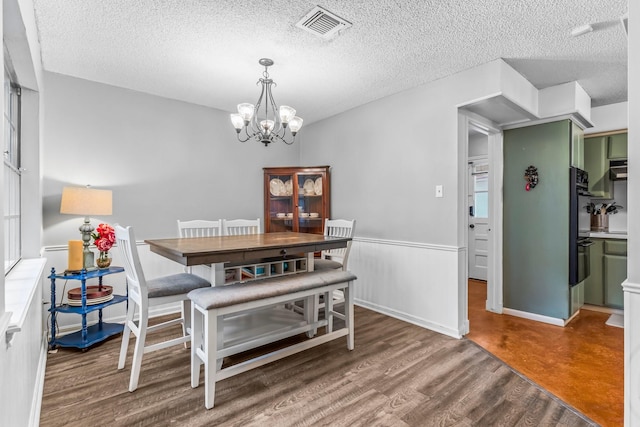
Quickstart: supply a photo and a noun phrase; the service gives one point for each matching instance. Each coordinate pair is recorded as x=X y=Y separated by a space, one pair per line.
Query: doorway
x=478 y=202
x=483 y=204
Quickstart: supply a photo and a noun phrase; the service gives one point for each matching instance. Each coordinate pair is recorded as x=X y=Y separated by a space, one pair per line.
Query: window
x=12 y=180
x=481 y=195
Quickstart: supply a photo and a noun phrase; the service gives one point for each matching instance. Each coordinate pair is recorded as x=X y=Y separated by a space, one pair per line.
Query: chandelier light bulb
x=286 y=114
x=246 y=111
x=237 y=121
x=267 y=126
x=264 y=121
x=295 y=124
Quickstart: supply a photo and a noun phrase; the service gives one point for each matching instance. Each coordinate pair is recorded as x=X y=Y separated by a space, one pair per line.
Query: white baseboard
x=536 y=317
x=409 y=319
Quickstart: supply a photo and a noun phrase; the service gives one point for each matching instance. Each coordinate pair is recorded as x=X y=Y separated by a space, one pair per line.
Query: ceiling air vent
x=322 y=23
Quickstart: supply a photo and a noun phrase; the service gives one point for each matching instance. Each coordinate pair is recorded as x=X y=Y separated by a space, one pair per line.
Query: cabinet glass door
x=281 y=207
x=310 y=202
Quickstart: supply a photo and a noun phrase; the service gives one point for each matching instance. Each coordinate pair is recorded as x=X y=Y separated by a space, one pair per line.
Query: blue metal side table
x=87 y=336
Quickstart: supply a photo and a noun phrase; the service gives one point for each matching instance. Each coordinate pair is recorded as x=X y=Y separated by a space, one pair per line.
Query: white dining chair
x=237 y=227
x=145 y=293
x=200 y=228
x=335 y=259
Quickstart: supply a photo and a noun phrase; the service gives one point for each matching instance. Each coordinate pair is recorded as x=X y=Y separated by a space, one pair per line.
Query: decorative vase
x=103 y=261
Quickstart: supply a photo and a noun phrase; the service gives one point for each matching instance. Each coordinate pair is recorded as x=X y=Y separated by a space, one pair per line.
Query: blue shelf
x=65 y=308
x=91 y=274
x=92 y=334
x=95 y=334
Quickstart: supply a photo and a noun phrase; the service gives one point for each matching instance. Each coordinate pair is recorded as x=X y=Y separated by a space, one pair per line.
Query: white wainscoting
x=414 y=282
x=153 y=265
x=22 y=352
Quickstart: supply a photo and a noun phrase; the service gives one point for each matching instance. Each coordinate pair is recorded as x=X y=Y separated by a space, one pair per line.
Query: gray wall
x=164 y=159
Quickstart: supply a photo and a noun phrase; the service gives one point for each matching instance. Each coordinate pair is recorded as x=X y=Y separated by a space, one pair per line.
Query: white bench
x=211 y=338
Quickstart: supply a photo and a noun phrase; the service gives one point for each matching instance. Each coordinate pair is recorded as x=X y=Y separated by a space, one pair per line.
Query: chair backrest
x=200 y=228
x=136 y=283
x=339 y=228
x=236 y=227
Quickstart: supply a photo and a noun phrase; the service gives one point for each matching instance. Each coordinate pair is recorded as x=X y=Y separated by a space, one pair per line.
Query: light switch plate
x=439 y=191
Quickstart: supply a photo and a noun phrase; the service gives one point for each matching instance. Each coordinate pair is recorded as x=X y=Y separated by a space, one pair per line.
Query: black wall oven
x=579 y=226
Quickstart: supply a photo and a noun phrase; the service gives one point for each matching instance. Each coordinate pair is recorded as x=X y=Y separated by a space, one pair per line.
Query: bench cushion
x=175 y=284
x=237 y=293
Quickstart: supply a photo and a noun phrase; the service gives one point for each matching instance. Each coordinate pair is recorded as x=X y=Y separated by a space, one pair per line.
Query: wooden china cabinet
x=296 y=199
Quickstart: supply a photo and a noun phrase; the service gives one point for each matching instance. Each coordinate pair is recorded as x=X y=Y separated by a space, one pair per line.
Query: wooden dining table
x=221 y=250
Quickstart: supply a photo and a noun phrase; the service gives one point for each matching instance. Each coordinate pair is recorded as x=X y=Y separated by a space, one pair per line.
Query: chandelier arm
x=276 y=117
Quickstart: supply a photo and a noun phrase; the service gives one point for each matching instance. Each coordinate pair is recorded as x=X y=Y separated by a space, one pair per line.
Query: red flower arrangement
x=104 y=238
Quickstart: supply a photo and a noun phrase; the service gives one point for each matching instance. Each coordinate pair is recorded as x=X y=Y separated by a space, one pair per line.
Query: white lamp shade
x=246 y=111
x=286 y=113
x=86 y=201
x=295 y=124
x=266 y=126
x=237 y=121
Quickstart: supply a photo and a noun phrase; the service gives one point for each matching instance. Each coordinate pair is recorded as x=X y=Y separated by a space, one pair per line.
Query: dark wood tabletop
x=223 y=249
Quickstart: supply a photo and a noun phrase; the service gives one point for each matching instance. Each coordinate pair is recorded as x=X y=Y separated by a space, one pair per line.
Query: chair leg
x=186 y=320
x=210 y=354
x=197 y=320
x=348 y=314
x=138 y=351
x=126 y=333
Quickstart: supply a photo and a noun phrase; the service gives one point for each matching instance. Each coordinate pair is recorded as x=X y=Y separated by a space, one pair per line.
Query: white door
x=478 y=219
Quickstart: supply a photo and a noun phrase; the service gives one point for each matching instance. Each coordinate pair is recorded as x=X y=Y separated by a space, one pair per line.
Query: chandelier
x=264 y=122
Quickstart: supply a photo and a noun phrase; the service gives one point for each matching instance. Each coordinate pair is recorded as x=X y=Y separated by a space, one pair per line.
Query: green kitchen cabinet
x=615 y=272
x=596 y=164
x=617 y=146
x=608 y=266
x=593 y=285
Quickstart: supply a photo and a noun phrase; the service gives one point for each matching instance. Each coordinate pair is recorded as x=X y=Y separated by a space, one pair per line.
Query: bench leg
x=196 y=343
x=328 y=310
x=311 y=313
x=210 y=351
x=348 y=314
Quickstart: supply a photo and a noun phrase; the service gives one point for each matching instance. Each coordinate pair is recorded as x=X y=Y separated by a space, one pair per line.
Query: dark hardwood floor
x=398 y=375
x=581 y=363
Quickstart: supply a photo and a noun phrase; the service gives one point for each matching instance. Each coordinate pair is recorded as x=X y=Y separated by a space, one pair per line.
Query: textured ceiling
x=206 y=51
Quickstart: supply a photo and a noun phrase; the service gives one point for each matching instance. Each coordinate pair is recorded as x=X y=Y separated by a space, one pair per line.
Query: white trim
x=536 y=317
x=633 y=288
x=574 y=117
x=22 y=280
x=409 y=244
x=494 y=278
x=36 y=406
x=5 y=318
x=410 y=319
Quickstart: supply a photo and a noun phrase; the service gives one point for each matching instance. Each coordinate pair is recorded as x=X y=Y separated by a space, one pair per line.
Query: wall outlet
x=439 y=191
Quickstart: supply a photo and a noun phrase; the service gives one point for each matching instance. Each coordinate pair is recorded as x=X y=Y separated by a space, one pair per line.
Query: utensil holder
x=600 y=222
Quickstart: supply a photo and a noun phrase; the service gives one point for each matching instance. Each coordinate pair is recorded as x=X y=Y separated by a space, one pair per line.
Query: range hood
x=618 y=169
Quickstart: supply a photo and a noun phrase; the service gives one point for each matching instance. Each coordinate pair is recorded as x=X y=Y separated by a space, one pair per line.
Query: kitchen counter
x=609 y=235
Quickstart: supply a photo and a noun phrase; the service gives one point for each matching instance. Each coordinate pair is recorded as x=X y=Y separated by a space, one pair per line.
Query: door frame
x=495 y=235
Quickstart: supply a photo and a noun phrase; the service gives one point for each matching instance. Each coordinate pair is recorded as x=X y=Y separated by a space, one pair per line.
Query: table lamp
x=86 y=201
